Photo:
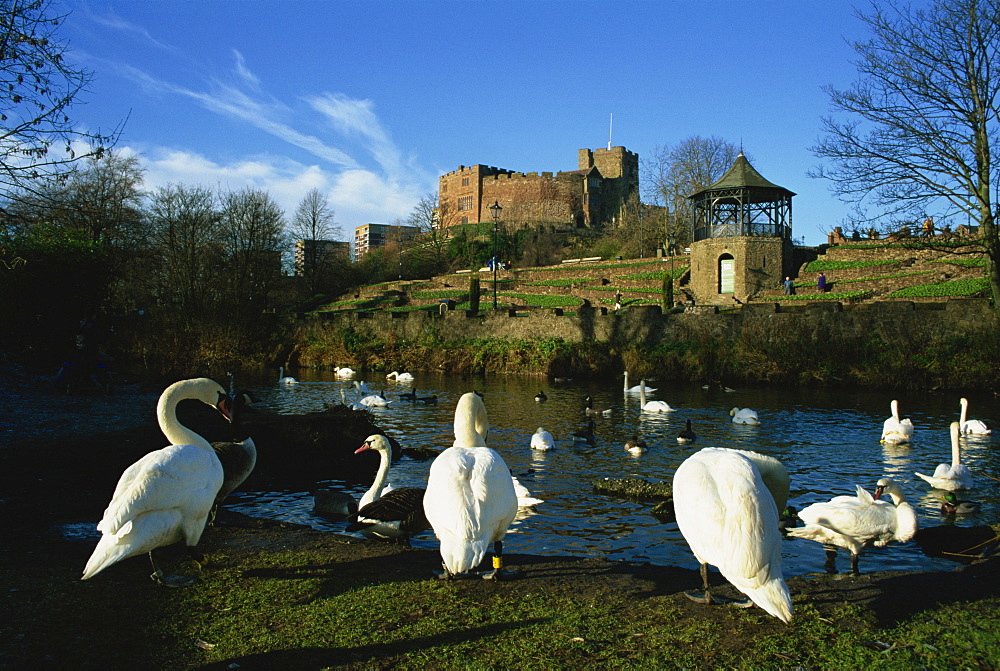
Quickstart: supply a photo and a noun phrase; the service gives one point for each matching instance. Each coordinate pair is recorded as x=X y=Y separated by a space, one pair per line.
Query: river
x=828 y=440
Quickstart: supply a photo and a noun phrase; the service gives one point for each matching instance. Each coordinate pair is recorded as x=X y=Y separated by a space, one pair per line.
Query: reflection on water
x=828 y=440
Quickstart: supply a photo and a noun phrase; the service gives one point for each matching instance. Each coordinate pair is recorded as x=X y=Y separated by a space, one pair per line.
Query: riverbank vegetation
x=887 y=358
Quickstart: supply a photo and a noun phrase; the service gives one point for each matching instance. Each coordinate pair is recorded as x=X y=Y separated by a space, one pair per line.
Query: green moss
x=969 y=287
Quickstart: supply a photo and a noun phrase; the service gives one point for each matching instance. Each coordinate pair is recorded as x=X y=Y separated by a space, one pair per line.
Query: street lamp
x=495 y=210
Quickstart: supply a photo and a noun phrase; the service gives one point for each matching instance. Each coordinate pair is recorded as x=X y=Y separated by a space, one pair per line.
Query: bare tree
x=104 y=200
x=432 y=219
x=313 y=227
x=184 y=223
x=674 y=172
x=252 y=227
x=38 y=86
x=919 y=124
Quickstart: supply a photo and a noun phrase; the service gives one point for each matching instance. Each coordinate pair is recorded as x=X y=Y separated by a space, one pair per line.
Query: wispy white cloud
x=114 y=22
x=357 y=196
x=386 y=190
x=357 y=117
x=243 y=72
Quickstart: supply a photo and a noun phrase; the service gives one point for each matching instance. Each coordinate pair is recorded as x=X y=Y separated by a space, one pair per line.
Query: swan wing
x=975 y=426
x=541 y=440
x=185 y=477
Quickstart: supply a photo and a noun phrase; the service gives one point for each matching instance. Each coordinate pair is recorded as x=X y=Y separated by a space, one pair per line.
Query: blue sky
x=371 y=101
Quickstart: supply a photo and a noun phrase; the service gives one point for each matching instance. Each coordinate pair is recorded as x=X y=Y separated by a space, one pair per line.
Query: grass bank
x=287 y=597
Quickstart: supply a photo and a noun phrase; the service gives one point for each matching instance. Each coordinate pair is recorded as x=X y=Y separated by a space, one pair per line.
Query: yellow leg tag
x=498 y=562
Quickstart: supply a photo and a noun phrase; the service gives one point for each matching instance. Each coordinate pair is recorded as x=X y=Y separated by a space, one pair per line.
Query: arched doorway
x=727 y=274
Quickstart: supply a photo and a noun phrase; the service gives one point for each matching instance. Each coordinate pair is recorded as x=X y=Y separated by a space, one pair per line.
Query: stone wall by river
x=819 y=321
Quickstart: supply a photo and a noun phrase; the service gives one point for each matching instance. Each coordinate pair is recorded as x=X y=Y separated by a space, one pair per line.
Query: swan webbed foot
x=445 y=574
x=173 y=580
x=501 y=574
x=710 y=599
x=854 y=565
x=705 y=598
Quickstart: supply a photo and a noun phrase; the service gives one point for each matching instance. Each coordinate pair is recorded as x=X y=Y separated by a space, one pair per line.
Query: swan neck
x=642 y=394
x=956 y=451
x=380 y=477
x=471 y=422
x=166 y=416
x=965 y=412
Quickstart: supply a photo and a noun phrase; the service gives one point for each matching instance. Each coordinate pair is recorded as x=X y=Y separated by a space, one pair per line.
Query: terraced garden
x=855 y=273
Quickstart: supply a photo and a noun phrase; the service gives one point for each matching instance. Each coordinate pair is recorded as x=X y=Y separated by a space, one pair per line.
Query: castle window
x=465 y=181
x=444 y=186
x=465 y=203
x=465 y=220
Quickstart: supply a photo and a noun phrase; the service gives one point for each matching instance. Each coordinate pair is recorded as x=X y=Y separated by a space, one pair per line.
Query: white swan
x=635 y=389
x=651 y=406
x=636 y=445
x=542 y=440
x=343 y=372
x=971 y=425
x=372 y=400
x=744 y=416
x=687 y=436
x=727 y=502
x=284 y=379
x=167 y=495
x=853 y=522
x=353 y=405
x=399 y=377
x=950 y=476
x=524 y=497
x=380 y=444
x=470 y=500
x=894 y=429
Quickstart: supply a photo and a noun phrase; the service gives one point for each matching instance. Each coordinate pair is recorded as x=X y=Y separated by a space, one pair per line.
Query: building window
x=465 y=181
x=465 y=220
x=444 y=186
x=465 y=203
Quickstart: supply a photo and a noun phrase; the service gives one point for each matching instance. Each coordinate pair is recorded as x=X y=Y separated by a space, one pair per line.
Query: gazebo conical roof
x=742 y=203
x=742 y=175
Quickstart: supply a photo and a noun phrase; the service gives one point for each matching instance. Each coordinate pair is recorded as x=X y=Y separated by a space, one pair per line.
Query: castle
x=594 y=194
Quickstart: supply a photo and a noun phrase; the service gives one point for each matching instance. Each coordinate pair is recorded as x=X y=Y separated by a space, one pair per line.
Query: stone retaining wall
x=821 y=320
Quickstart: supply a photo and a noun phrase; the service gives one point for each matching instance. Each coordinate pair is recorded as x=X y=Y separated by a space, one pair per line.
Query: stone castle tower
x=594 y=194
x=619 y=170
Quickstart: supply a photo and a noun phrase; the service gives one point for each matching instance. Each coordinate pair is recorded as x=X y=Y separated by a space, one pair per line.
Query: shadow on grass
x=312 y=658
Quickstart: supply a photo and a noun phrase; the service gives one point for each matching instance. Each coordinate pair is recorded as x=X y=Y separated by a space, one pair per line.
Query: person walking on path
x=821 y=283
x=789 y=287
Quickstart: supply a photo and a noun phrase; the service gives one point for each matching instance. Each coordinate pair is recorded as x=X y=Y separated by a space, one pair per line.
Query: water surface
x=828 y=440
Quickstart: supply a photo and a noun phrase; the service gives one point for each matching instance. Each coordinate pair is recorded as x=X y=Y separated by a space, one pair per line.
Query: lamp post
x=495 y=210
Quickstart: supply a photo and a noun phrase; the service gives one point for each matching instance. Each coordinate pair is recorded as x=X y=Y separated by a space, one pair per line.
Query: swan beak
x=878 y=492
x=223 y=407
x=364 y=446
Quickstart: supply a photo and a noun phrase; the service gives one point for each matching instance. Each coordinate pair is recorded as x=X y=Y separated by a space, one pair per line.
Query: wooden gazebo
x=741 y=237
x=742 y=204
